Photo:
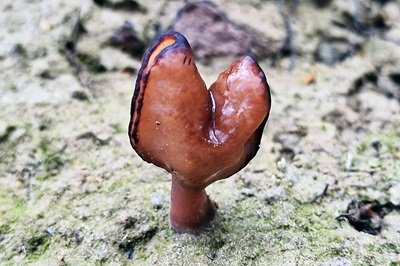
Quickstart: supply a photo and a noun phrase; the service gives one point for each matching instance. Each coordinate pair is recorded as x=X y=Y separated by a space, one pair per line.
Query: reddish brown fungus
x=197 y=135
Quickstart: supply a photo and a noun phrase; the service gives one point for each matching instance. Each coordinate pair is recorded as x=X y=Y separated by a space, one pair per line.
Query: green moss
x=142 y=253
x=217 y=243
x=377 y=151
x=389 y=142
x=392 y=142
x=388 y=246
x=37 y=244
x=362 y=148
x=11 y=207
x=117 y=129
x=52 y=160
x=4 y=229
x=117 y=183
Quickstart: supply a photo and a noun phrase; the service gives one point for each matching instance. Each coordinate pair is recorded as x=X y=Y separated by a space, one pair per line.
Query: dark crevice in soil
x=125 y=5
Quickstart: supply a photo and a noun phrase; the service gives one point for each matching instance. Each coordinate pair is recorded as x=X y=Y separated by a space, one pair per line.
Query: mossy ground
x=73 y=192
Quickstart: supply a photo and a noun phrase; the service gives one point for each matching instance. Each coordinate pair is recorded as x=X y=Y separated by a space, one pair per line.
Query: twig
x=96 y=139
x=288 y=44
x=70 y=53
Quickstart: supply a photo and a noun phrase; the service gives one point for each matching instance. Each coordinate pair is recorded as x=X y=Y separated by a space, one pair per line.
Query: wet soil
x=73 y=192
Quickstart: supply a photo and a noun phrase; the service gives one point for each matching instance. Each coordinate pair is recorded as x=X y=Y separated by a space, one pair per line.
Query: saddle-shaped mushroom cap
x=197 y=135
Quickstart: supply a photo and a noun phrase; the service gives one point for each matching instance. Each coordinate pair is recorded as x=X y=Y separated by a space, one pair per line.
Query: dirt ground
x=73 y=192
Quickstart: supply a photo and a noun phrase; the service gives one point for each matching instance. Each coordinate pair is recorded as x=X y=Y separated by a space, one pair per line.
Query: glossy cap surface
x=196 y=134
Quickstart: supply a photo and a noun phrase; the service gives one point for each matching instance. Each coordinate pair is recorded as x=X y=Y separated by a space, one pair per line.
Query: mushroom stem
x=191 y=208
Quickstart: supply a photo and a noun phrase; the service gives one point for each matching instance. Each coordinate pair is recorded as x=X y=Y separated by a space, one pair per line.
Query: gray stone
x=273 y=194
x=394 y=193
x=292 y=174
x=157 y=200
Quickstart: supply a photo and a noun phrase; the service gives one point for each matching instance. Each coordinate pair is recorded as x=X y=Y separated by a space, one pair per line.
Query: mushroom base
x=191 y=209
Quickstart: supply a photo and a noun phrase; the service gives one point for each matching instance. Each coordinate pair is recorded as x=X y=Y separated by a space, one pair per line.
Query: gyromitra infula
x=197 y=135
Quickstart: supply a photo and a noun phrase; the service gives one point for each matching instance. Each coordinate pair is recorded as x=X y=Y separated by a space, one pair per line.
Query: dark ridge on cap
x=136 y=102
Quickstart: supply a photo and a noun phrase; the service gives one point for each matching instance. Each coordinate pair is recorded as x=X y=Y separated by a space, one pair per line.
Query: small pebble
x=308 y=79
x=273 y=194
x=78 y=238
x=130 y=253
x=394 y=193
x=211 y=255
x=157 y=200
x=49 y=231
x=292 y=174
x=349 y=162
x=45 y=25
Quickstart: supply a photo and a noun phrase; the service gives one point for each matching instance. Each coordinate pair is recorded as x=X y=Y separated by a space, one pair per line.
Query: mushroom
x=198 y=135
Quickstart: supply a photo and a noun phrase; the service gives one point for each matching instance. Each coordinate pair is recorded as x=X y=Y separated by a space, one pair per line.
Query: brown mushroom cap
x=196 y=134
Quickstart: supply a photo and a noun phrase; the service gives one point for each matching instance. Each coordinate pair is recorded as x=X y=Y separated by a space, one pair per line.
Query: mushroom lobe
x=196 y=134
